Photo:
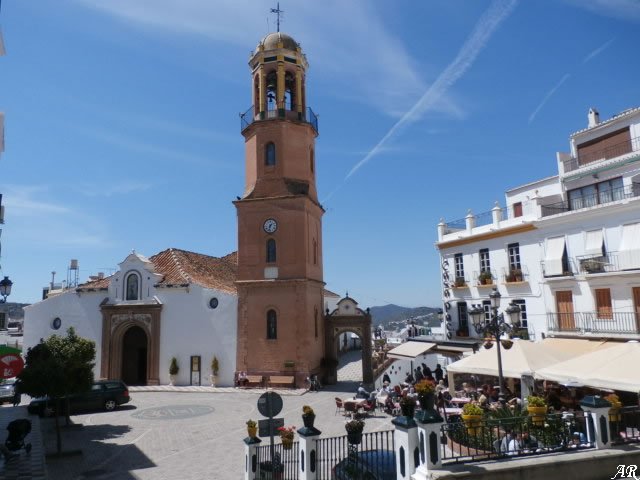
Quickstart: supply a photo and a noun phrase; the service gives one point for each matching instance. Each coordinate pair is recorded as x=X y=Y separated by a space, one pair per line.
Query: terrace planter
x=537 y=414
x=472 y=422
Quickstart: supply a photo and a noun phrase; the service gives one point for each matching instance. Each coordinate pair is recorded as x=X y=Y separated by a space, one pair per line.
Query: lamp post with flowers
x=496 y=326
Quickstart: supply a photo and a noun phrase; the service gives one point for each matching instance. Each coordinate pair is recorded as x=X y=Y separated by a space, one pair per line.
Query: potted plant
x=537 y=408
x=426 y=394
x=286 y=436
x=215 y=368
x=173 y=371
x=252 y=428
x=616 y=405
x=485 y=278
x=472 y=417
x=308 y=416
x=408 y=406
x=354 y=430
x=515 y=275
x=459 y=282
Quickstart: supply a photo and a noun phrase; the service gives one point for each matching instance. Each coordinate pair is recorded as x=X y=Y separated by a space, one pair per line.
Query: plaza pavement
x=180 y=432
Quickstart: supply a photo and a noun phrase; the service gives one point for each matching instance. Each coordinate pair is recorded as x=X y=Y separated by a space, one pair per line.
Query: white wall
x=78 y=310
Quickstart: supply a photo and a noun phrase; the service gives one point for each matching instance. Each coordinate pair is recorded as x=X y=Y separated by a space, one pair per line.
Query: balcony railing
x=610 y=262
x=515 y=275
x=588 y=201
x=568 y=269
x=584 y=322
x=486 y=218
x=482 y=279
x=607 y=153
x=272 y=113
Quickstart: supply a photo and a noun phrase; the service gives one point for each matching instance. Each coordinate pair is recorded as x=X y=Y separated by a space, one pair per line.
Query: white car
x=7 y=390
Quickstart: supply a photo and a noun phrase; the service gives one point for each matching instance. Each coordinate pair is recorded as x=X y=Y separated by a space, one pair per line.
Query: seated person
x=389 y=406
x=515 y=444
x=529 y=442
x=362 y=393
x=579 y=438
x=242 y=379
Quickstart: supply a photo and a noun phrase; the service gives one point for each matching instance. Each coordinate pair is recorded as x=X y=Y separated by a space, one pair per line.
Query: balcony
x=610 y=262
x=610 y=152
x=515 y=276
x=588 y=322
x=460 y=282
x=485 y=279
x=589 y=201
x=568 y=269
x=486 y=218
x=306 y=116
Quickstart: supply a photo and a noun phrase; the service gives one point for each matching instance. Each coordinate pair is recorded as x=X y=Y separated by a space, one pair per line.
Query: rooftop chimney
x=594 y=117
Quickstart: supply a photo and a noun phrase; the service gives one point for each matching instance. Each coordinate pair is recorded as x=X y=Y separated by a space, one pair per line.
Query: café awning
x=410 y=350
x=614 y=367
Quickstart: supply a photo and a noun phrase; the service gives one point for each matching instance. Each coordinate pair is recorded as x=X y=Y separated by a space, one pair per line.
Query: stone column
x=470 y=221
x=496 y=215
x=429 y=431
x=598 y=409
x=308 y=464
x=441 y=229
x=251 y=457
x=405 y=438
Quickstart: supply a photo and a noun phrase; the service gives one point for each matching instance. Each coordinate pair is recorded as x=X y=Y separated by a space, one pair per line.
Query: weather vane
x=277 y=11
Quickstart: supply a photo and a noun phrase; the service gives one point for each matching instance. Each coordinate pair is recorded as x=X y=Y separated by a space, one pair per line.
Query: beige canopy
x=614 y=367
x=410 y=350
x=524 y=357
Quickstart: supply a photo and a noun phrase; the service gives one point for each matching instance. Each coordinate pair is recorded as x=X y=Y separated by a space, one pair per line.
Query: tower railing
x=273 y=113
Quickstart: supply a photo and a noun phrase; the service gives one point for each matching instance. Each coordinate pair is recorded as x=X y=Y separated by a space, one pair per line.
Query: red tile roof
x=181 y=267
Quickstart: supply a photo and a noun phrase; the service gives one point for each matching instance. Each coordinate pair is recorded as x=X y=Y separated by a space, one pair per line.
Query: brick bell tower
x=280 y=283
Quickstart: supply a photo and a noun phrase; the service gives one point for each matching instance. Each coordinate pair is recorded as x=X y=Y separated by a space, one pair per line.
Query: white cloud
x=38 y=219
x=353 y=49
x=627 y=10
x=549 y=94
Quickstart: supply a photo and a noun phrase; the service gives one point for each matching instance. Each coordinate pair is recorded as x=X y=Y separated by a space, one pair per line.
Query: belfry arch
x=347 y=317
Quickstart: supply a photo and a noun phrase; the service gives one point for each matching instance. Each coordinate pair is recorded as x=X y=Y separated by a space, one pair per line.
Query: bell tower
x=280 y=281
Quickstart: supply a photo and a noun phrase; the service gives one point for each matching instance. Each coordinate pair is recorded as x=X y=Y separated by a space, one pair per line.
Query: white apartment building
x=566 y=248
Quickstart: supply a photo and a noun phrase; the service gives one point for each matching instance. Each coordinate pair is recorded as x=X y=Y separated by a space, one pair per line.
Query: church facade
x=261 y=309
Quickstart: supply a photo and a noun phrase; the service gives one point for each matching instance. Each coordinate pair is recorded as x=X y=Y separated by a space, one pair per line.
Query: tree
x=57 y=368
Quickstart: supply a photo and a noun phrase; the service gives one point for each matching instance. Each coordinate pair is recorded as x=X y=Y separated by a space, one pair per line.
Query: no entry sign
x=11 y=363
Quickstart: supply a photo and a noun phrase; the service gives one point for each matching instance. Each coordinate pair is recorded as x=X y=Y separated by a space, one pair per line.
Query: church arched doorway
x=134 y=356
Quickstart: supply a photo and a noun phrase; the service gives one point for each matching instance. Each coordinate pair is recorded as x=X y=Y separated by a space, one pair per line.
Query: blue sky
x=122 y=128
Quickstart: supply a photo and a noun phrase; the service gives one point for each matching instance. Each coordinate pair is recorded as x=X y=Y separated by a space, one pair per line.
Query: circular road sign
x=270 y=404
x=11 y=364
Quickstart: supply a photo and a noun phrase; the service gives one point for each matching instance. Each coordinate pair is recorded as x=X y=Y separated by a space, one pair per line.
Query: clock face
x=270 y=225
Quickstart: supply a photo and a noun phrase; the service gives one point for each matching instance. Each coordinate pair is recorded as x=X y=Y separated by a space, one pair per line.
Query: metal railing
x=284 y=464
x=609 y=262
x=335 y=453
x=486 y=218
x=305 y=116
x=482 y=279
x=515 y=275
x=605 y=322
x=489 y=438
x=588 y=201
x=568 y=269
x=607 y=153
x=625 y=425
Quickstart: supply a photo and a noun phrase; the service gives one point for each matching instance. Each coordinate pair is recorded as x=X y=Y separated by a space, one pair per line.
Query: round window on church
x=213 y=303
x=56 y=323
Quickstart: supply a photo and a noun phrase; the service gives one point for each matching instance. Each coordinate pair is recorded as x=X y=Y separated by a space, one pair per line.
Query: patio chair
x=368 y=407
x=339 y=406
x=350 y=409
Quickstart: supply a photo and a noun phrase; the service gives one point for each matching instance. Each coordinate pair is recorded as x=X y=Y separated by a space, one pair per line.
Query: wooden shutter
x=564 y=305
x=603 y=303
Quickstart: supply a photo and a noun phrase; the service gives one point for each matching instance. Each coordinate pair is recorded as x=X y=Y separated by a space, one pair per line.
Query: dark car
x=367 y=465
x=104 y=394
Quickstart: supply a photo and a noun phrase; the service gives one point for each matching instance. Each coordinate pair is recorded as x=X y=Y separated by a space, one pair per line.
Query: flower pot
x=172 y=380
x=287 y=442
x=427 y=401
x=308 y=420
x=537 y=414
x=614 y=412
x=354 y=438
x=472 y=422
x=252 y=432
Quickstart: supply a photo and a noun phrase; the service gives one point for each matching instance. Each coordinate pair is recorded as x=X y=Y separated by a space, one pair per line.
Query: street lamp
x=496 y=326
x=5 y=289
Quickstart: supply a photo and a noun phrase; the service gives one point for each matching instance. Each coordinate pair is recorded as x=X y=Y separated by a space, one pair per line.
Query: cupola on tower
x=280 y=281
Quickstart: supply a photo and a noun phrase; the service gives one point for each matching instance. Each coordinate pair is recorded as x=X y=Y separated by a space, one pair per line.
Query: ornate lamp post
x=5 y=289
x=496 y=326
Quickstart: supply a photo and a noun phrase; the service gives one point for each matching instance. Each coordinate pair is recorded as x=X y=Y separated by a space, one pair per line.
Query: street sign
x=11 y=363
x=263 y=426
x=270 y=404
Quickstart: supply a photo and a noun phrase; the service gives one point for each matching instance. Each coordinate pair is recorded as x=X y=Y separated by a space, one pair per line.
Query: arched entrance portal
x=134 y=356
x=347 y=318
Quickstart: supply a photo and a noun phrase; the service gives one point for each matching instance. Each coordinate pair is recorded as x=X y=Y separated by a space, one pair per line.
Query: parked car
x=7 y=390
x=104 y=394
x=367 y=465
